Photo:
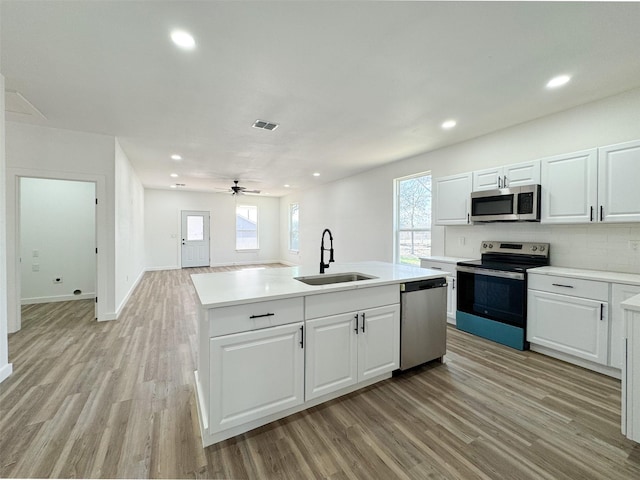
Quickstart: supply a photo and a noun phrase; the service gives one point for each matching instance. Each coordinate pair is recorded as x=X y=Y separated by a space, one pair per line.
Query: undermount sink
x=327 y=279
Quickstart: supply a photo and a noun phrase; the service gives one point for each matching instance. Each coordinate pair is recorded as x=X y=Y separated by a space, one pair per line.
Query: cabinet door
x=378 y=341
x=254 y=374
x=451 y=300
x=452 y=199
x=487 y=179
x=526 y=173
x=569 y=188
x=573 y=325
x=618 y=174
x=331 y=354
x=619 y=293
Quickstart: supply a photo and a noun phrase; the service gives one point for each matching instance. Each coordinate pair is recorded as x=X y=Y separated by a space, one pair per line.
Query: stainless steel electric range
x=492 y=291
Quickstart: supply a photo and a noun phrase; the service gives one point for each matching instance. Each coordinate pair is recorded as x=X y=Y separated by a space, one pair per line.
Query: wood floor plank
x=116 y=399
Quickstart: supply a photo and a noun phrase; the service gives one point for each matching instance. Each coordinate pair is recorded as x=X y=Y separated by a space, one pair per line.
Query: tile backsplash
x=592 y=247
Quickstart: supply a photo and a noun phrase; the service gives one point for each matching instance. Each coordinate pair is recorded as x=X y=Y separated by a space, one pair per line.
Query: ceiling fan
x=238 y=190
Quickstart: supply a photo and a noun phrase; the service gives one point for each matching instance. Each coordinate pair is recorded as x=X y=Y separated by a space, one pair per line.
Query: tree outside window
x=413 y=218
x=246 y=227
x=294 y=227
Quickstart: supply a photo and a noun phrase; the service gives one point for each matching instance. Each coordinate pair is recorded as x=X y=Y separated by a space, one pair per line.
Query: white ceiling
x=353 y=85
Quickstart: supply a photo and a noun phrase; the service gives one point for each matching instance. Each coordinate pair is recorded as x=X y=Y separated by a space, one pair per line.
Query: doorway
x=195 y=239
x=57 y=240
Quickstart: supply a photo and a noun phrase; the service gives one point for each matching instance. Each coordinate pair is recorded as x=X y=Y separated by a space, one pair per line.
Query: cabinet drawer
x=325 y=304
x=449 y=268
x=570 y=286
x=254 y=316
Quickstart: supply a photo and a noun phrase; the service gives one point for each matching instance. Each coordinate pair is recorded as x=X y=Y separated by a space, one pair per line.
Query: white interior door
x=195 y=239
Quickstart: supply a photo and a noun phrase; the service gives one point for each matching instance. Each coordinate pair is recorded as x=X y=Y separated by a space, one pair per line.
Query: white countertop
x=632 y=303
x=603 y=276
x=248 y=286
x=437 y=258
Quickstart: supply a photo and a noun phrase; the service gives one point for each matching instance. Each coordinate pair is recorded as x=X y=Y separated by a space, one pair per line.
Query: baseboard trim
x=289 y=264
x=249 y=262
x=159 y=269
x=57 y=298
x=129 y=293
x=6 y=371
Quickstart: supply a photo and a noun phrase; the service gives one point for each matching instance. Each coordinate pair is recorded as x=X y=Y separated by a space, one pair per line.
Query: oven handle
x=491 y=273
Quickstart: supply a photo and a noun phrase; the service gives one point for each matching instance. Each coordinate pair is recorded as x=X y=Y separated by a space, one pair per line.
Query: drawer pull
x=263 y=315
x=436 y=268
x=561 y=285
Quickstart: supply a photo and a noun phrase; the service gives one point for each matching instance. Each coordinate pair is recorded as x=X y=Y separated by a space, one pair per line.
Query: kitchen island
x=270 y=345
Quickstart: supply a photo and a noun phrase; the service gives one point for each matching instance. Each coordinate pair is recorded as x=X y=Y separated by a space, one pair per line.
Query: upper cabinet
x=618 y=175
x=452 y=195
x=509 y=176
x=569 y=187
x=596 y=185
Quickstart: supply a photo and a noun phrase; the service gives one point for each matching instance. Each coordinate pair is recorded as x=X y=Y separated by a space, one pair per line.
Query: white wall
x=35 y=151
x=57 y=223
x=129 y=228
x=162 y=227
x=359 y=209
x=5 y=367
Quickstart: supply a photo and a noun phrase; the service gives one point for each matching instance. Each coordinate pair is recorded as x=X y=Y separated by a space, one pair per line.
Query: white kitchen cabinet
x=255 y=374
x=569 y=187
x=331 y=354
x=526 y=173
x=631 y=370
x=349 y=348
x=569 y=315
x=618 y=174
x=450 y=268
x=452 y=196
x=619 y=293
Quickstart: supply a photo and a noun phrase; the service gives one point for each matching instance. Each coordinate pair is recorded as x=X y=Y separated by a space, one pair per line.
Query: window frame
x=291 y=205
x=396 y=212
x=257 y=247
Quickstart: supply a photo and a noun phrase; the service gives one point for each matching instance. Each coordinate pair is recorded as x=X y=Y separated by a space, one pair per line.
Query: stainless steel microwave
x=514 y=204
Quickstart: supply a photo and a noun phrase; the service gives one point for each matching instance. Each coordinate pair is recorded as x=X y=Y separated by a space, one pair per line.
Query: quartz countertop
x=632 y=303
x=438 y=258
x=603 y=276
x=222 y=289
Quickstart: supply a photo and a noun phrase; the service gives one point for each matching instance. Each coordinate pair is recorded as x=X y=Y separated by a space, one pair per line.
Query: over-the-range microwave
x=514 y=204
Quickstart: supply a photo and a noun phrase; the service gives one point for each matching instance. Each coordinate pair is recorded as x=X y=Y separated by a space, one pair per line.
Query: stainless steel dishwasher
x=423 y=321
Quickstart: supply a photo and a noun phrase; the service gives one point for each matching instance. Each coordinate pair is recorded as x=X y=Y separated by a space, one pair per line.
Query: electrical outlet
x=35 y=267
x=57 y=280
x=634 y=245
x=461 y=241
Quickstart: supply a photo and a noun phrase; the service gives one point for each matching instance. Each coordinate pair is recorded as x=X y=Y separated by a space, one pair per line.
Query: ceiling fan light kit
x=238 y=190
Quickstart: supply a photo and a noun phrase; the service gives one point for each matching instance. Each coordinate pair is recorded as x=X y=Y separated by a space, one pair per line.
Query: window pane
x=413 y=245
x=414 y=203
x=294 y=212
x=246 y=227
x=195 y=227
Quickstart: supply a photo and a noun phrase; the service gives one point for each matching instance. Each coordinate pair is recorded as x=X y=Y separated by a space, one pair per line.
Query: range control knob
x=542 y=248
x=484 y=245
x=534 y=248
x=491 y=245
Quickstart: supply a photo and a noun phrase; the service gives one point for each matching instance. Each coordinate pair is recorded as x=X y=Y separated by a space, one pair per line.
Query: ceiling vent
x=265 y=125
x=16 y=104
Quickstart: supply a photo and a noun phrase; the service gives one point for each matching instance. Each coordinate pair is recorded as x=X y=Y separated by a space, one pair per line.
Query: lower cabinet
x=573 y=325
x=255 y=374
x=619 y=293
x=451 y=284
x=349 y=348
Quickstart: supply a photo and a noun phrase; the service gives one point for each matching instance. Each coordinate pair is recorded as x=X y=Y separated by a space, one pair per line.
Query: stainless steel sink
x=327 y=279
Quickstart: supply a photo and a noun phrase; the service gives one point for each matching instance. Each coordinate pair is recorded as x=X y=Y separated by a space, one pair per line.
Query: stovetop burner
x=510 y=256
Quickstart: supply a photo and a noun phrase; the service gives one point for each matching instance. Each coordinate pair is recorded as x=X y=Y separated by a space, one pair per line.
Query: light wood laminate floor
x=117 y=399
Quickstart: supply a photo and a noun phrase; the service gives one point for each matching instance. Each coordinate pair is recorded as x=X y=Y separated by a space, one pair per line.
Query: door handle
x=601 y=213
x=356 y=318
x=504 y=182
x=602 y=311
x=591 y=215
x=363 y=321
x=302 y=336
x=499 y=182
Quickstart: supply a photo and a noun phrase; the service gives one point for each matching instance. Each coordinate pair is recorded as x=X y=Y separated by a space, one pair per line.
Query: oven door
x=494 y=294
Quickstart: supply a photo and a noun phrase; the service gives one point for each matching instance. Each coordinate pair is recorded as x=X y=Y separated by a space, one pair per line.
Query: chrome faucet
x=322 y=250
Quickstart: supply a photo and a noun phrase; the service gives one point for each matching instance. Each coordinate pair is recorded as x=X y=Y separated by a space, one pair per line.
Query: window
x=294 y=227
x=413 y=218
x=246 y=227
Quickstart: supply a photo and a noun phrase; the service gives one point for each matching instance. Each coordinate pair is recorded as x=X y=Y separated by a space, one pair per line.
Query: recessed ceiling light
x=286 y=185
x=173 y=186
x=558 y=81
x=316 y=174
x=175 y=156
x=183 y=39
x=448 y=124
x=174 y=175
